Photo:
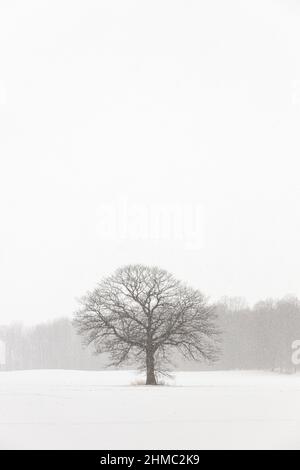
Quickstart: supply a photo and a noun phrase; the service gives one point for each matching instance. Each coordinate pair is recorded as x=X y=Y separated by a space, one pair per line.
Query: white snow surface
x=110 y=410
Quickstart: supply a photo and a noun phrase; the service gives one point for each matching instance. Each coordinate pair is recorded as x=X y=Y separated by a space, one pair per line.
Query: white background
x=168 y=101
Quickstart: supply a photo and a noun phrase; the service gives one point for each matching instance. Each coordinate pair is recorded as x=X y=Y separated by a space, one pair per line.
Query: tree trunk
x=151 y=379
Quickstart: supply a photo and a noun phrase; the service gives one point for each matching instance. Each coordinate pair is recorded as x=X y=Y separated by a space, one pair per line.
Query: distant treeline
x=258 y=338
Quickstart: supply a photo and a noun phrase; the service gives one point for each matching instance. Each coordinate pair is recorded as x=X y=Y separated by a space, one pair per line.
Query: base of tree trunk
x=151 y=380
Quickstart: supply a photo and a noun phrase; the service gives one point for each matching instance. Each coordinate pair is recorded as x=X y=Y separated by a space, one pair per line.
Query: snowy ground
x=105 y=410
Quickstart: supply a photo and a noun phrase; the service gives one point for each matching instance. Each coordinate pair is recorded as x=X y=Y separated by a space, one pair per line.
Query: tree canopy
x=142 y=313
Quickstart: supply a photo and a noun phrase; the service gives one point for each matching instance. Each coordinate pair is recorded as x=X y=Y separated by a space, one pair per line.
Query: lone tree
x=143 y=314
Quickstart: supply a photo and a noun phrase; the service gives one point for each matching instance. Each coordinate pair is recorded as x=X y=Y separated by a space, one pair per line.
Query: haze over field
x=149 y=166
x=165 y=103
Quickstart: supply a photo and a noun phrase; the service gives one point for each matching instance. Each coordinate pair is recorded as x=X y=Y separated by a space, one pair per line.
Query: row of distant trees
x=258 y=338
x=53 y=345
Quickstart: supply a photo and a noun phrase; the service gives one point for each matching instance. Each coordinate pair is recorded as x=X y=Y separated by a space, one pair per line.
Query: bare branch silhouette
x=143 y=313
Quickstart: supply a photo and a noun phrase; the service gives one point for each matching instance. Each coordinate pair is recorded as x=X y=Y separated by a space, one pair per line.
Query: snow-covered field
x=107 y=410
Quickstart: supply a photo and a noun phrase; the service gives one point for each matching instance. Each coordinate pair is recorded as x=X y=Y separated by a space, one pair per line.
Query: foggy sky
x=175 y=103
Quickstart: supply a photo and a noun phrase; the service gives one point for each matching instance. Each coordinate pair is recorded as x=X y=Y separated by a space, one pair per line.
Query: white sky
x=158 y=102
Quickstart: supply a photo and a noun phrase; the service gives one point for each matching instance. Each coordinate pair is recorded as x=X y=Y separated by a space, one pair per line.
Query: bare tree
x=142 y=314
